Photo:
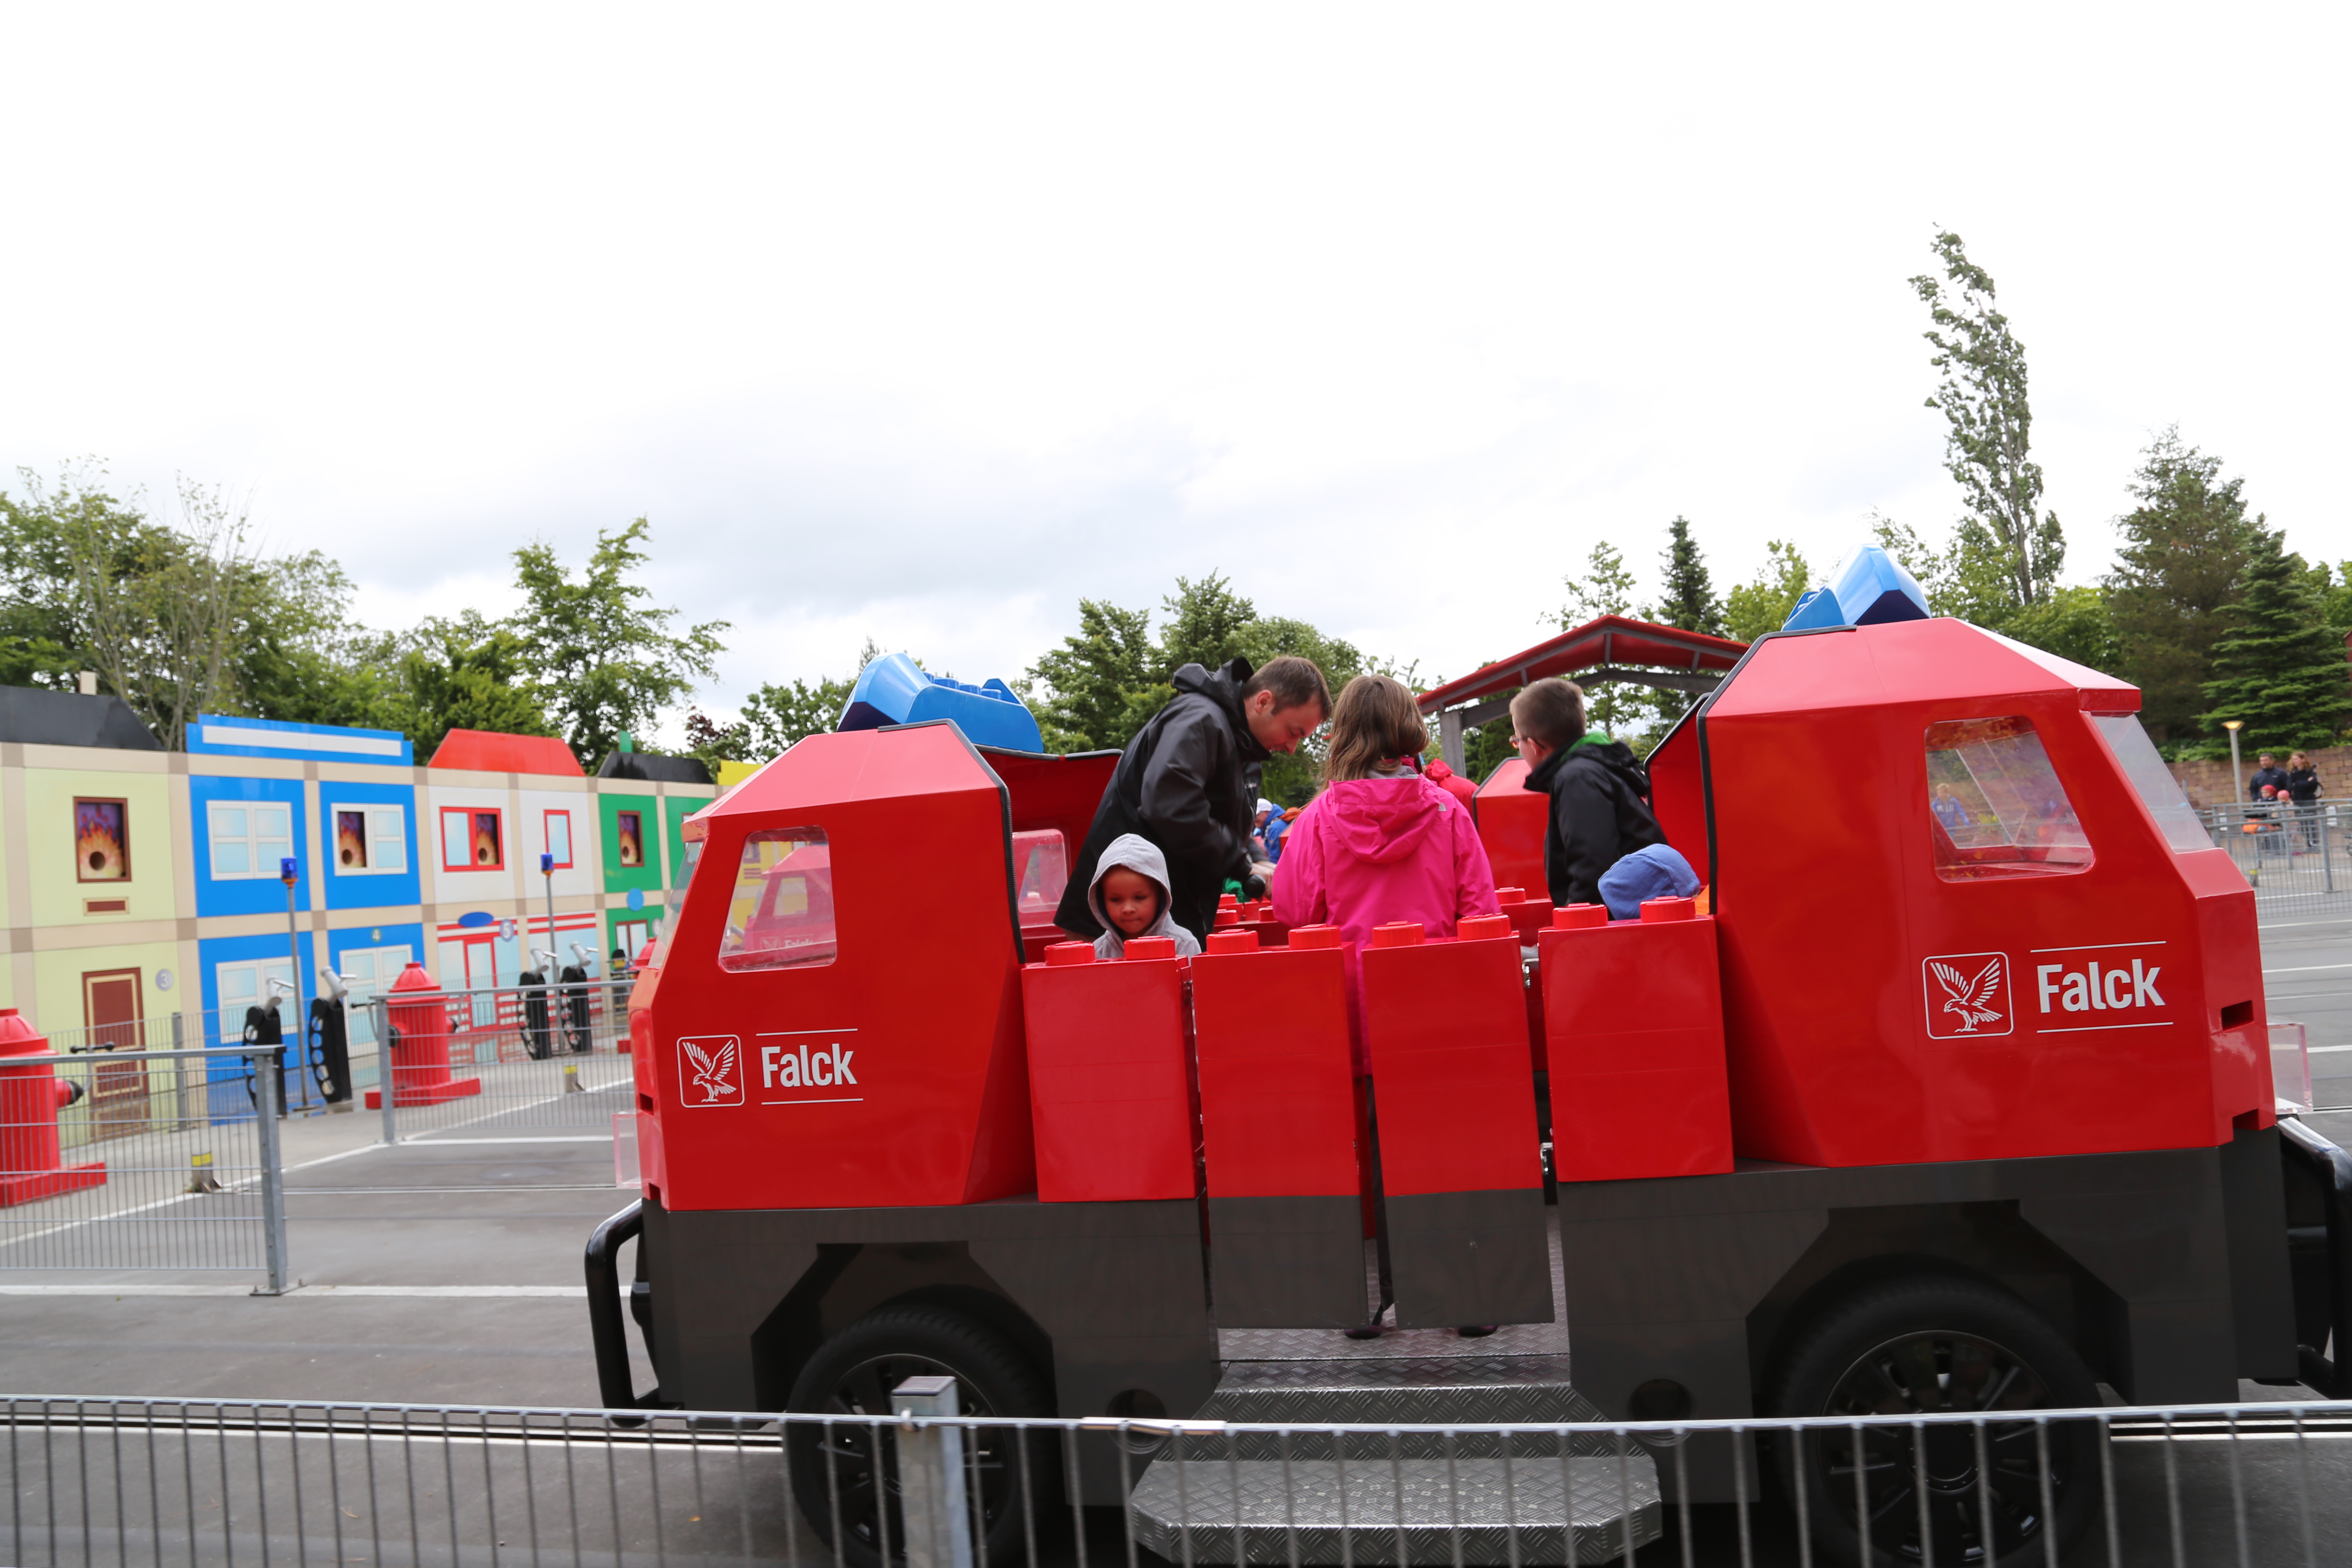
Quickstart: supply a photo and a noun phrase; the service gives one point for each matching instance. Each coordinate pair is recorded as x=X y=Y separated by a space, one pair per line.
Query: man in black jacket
x=1600 y=791
x=1188 y=782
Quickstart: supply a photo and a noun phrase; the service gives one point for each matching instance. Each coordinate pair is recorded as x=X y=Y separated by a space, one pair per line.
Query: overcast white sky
x=923 y=323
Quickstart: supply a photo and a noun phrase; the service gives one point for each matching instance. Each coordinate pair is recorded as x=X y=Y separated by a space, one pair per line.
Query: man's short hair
x=1550 y=711
x=1293 y=680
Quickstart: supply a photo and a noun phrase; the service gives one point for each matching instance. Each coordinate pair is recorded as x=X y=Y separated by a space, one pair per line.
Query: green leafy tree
x=1606 y=588
x=1690 y=599
x=1094 y=680
x=1763 y=603
x=162 y=607
x=1988 y=444
x=469 y=673
x=44 y=632
x=1962 y=579
x=602 y=661
x=2184 y=554
x=2073 y=623
x=2280 y=667
x=1291 y=778
x=1205 y=620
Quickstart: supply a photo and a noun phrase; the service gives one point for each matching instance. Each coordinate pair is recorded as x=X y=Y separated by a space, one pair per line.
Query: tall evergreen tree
x=1690 y=602
x=2281 y=668
x=1988 y=444
x=2183 y=554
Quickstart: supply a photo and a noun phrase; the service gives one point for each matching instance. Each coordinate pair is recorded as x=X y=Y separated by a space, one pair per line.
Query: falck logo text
x=709 y=1071
x=1967 y=995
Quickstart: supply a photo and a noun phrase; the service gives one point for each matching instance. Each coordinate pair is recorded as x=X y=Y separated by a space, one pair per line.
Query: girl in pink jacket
x=1380 y=843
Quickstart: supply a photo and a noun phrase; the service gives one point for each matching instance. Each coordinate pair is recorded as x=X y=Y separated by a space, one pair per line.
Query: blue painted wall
x=255 y=896
x=380 y=889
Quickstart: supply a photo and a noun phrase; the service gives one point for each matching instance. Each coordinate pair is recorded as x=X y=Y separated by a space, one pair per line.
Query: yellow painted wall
x=57 y=988
x=58 y=894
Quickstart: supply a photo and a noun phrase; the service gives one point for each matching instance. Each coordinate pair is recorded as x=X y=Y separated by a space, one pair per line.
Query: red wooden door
x=112 y=1012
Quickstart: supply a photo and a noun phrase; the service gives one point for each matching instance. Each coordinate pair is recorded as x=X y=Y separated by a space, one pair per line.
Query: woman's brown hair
x=1374 y=721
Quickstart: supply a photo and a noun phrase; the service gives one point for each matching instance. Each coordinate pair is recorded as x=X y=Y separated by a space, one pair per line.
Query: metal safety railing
x=2293 y=857
x=518 y=1058
x=137 y=1481
x=192 y=1180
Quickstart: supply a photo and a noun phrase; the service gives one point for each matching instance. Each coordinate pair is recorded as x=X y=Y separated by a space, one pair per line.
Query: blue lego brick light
x=894 y=690
x=1868 y=588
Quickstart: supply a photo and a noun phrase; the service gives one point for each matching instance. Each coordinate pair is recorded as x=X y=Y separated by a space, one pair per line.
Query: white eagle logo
x=715 y=1077
x=1967 y=997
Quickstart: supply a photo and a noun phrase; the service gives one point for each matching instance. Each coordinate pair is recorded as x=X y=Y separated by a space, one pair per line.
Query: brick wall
x=2209 y=783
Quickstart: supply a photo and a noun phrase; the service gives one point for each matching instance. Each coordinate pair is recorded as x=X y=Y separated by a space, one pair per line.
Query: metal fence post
x=930 y=1474
x=273 y=1178
x=2320 y=815
x=179 y=1071
x=382 y=1008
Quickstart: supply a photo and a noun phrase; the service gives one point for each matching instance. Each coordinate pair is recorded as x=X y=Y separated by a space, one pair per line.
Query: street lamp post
x=289 y=871
x=2237 y=769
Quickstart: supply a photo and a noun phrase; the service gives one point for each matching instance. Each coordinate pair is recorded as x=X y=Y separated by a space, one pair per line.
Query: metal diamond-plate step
x=1468 y=1511
x=1454 y=1392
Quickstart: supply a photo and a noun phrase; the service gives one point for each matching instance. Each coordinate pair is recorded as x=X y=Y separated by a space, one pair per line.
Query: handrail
x=607 y=1327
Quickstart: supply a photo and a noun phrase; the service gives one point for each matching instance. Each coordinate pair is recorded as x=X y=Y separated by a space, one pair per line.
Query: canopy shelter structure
x=1614 y=648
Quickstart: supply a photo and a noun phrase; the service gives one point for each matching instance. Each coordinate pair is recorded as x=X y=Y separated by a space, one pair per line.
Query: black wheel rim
x=849 y=1451
x=1930 y=1373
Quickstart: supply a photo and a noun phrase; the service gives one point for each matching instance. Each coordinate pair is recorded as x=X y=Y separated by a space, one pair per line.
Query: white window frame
x=386 y=825
x=564 y=862
x=232 y=1012
x=265 y=866
x=359 y=1018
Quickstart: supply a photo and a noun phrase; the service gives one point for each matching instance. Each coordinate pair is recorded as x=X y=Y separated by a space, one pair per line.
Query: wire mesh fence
x=138 y=1160
x=146 y=1481
x=2295 y=857
x=529 y=1057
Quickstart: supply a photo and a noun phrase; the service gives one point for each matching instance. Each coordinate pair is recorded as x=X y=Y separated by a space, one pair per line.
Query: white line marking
x=126 y=1289
x=2085 y=1028
x=559 y=1291
x=848 y=1099
x=2323 y=1050
x=2094 y=946
x=2308 y=969
x=426 y=1139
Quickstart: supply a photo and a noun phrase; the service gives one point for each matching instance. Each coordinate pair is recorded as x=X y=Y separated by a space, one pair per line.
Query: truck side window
x=2153 y=781
x=1995 y=805
x=782 y=912
x=1040 y=869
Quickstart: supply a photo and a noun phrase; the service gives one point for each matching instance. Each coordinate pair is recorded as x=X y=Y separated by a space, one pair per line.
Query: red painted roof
x=1611 y=640
x=484 y=752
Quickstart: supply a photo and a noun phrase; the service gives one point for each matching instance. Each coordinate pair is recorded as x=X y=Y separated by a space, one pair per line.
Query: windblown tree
x=602 y=660
x=1990 y=423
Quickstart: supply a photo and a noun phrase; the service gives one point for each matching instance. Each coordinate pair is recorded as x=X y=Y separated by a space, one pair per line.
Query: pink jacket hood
x=1383 y=820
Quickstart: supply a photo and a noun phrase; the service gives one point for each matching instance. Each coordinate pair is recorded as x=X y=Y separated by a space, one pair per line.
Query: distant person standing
x=2269 y=773
x=1187 y=783
x=2302 y=793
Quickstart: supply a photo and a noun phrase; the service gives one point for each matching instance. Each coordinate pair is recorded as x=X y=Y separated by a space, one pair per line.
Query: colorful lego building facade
x=143 y=889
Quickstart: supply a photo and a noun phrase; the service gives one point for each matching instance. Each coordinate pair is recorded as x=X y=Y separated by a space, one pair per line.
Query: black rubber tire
x=1929 y=1344
x=853 y=1374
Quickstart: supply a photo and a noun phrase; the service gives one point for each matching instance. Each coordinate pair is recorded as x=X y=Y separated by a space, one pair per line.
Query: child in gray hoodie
x=1130 y=896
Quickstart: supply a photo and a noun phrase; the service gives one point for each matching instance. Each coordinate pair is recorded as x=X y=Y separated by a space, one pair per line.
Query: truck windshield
x=782 y=912
x=1040 y=869
x=2158 y=790
x=1995 y=804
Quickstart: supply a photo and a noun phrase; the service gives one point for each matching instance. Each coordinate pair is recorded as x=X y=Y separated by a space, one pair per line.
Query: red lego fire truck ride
x=1953 y=1092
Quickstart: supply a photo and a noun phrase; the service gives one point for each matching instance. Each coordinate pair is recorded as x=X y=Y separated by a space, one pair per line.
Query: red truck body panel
x=1883 y=1008
x=1109 y=1093
x=1511 y=821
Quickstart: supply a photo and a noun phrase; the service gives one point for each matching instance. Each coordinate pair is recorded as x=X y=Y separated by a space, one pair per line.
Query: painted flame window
x=1995 y=805
x=101 y=840
x=782 y=912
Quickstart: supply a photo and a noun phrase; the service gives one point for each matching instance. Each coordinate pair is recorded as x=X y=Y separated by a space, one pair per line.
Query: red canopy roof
x=1611 y=640
x=486 y=751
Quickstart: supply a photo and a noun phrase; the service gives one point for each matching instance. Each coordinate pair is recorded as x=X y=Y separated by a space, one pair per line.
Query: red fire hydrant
x=31 y=1164
x=420 y=1060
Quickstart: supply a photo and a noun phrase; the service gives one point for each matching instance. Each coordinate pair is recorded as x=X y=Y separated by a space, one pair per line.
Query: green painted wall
x=620 y=878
